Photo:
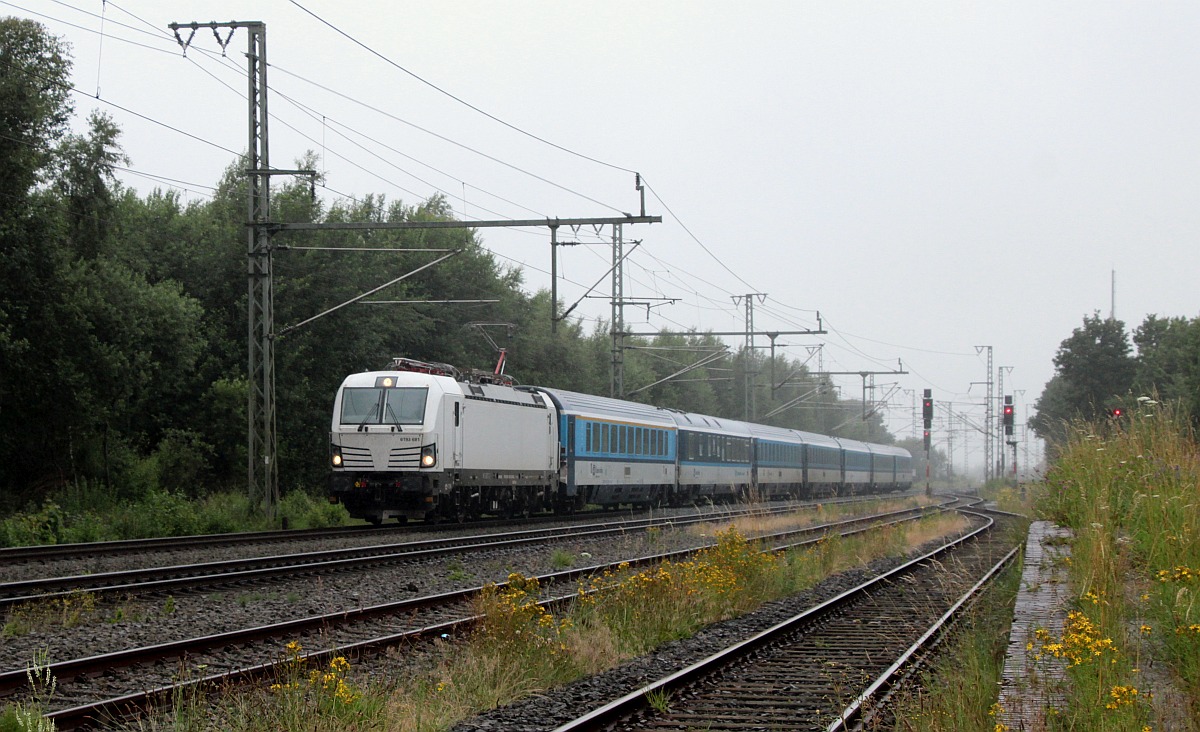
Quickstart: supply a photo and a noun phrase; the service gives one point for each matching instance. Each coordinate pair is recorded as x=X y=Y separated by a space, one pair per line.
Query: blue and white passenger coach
x=614 y=451
x=715 y=457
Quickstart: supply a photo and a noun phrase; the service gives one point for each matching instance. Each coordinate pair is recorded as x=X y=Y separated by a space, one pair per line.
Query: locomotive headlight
x=335 y=456
x=428 y=456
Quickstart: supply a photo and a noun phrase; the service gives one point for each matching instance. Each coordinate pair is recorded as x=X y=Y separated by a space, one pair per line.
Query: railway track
x=259 y=569
x=832 y=667
x=43 y=553
x=114 y=685
x=22 y=556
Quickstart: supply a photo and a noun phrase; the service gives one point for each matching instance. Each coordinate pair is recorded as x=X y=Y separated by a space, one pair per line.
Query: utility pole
x=554 y=245
x=864 y=375
x=1001 y=453
x=989 y=439
x=949 y=444
x=913 y=394
x=748 y=353
x=616 y=385
x=730 y=334
x=262 y=467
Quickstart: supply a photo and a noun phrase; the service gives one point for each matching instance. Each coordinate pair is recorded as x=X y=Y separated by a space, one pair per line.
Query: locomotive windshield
x=373 y=405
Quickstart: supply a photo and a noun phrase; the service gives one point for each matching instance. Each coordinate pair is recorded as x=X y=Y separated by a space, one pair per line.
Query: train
x=423 y=440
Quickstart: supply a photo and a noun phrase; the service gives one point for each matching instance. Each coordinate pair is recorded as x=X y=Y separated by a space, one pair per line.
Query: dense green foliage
x=123 y=318
x=1095 y=371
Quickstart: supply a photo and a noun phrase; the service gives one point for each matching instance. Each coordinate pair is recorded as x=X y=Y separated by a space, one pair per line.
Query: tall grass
x=1130 y=491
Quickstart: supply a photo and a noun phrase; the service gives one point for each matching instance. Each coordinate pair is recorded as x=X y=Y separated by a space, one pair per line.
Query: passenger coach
x=613 y=451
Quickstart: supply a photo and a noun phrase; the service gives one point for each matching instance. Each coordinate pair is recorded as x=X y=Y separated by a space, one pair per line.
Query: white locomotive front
x=418 y=441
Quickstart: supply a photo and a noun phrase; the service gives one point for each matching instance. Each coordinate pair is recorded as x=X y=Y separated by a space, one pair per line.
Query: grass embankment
x=82 y=517
x=1130 y=491
x=523 y=649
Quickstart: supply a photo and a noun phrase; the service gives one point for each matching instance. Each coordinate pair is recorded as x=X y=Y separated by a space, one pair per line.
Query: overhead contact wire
x=461 y=101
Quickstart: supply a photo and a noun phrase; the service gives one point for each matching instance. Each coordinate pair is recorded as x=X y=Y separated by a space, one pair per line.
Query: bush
x=27 y=529
x=159 y=513
x=183 y=462
x=302 y=511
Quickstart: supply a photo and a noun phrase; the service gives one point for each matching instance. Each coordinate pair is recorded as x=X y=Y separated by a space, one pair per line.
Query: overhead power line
x=461 y=101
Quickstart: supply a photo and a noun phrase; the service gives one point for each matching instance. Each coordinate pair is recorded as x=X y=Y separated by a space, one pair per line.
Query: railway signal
x=1008 y=415
x=927 y=409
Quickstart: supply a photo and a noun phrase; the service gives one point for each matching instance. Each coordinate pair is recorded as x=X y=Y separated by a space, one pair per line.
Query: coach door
x=453 y=433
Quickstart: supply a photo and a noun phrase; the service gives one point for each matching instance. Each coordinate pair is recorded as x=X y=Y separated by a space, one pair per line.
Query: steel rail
x=159 y=579
x=902 y=667
x=154 y=579
x=13 y=680
x=84 y=715
x=40 y=552
x=634 y=701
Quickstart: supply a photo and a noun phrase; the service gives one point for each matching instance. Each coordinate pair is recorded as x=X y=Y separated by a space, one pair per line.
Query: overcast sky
x=930 y=176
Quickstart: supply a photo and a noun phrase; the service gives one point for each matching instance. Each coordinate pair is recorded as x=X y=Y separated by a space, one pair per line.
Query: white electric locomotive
x=419 y=441
x=422 y=440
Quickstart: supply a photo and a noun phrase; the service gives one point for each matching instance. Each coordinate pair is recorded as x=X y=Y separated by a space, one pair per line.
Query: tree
x=1092 y=370
x=85 y=183
x=1168 y=361
x=35 y=107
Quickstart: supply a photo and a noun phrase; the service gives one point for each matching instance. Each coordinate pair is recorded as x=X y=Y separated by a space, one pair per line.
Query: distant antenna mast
x=1112 y=307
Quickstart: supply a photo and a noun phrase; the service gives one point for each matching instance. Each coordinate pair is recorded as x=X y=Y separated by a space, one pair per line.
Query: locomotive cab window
x=373 y=405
